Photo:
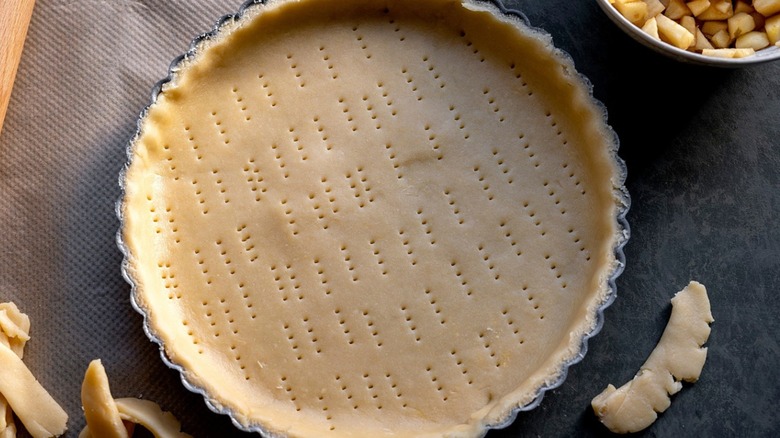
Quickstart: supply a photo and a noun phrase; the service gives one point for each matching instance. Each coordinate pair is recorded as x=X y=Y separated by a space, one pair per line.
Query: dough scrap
x=19 y=390
x=678 y=356
x=105 y=415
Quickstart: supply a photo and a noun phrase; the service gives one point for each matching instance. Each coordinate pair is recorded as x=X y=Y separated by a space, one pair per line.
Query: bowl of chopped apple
x=720 y=33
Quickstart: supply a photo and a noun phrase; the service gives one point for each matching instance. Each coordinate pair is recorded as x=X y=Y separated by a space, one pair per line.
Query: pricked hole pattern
x=169 y=280
x=233 y=333
x=371 y=327
x=380 y=261
x=502 y=166
x=315 y=346
x=393 y=160
x=191 y=333
x=510 y=324
x=344 y=107
x=171 y=222
x=461 y=278
x=388 y=100
x=344 y=327
x=426 y=226
x=327 y=190
x=204 y=269
x=558 y=130
x=348 y=263
x=288 y=389
x=210 y=318
x=489 y=350
x=193 y=144
x=435 y=307
x=266 y=87
x=155 y=217
x=169 y=157
x=319 y=211
x=435 y=145
x=578 y=241
x=295 y=71
x=410 y=83
x=397 y=29
x=279 y=159
x=229 y=267
x=489 y=264
x=346 y=392
x=221 y=130
x=328 y=63
x=296 y=143
x=371 y=390
x=458 y=118
x=372 y=112
x=294 y=346
x=493 y=105
x=323 y=135
x=482 y=180
x=322 y=276
x=241 y=104
x=470 y=45
x=245 y=237
x=464 y=371
x=220 y=184
x=362 y=42
x=437 y=384
x=507 y=233
x=454 y=207
x=529 y=150
x=431 y=68
x=288 y=213
x=533 y=303
x=410 y=324
x=361 y=189
x=287 y=282
x=254 y=179
x=392 y=384
x=406 y=242
x=204 y=209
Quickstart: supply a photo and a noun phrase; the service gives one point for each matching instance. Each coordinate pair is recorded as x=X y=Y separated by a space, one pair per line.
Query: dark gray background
x=702 y=147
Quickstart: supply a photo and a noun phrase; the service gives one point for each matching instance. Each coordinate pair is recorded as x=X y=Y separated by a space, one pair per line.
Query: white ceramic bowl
x=761 y=56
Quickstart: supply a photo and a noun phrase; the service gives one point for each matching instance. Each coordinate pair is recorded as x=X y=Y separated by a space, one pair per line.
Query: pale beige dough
x=104 y=414
x=19 y=390
x=678 y=356
x=372 y=218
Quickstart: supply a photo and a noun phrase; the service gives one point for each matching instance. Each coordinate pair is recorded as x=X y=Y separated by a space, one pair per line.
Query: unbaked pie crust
x=372 y=218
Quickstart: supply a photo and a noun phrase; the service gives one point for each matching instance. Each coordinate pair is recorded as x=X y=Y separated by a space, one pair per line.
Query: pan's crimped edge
x=622 y=199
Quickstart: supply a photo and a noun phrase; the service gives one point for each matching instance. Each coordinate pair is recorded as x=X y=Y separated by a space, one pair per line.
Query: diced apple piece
x=673 y=33
x=710 y=28
x=752 y=40
x=635 y=12
x=767 y=8
x=728 y=53
x=677 y=9
x=772 y=28
x=721 y=40
x=702 y=42
x=718 y=10
x=651 y=28
x=654 y=7
x=698 y=6
x=740 y=24
x=689 y=23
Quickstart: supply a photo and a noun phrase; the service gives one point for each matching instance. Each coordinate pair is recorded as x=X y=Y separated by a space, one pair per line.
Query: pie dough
x=372 y=218
x=19 y=390
x=678 y=356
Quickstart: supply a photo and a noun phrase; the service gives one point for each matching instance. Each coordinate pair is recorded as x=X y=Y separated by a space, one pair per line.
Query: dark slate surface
x=702 y=148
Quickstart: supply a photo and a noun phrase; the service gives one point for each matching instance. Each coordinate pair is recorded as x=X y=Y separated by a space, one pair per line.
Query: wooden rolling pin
x=14 y=20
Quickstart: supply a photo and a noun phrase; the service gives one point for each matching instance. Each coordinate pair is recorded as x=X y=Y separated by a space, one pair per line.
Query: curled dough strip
x=105 y=415
x=678 y=356
x=19 y=390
